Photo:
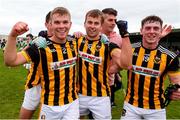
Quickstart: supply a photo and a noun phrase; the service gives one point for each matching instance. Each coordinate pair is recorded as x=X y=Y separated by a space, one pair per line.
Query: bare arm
x=123 y=57
x=11 y=57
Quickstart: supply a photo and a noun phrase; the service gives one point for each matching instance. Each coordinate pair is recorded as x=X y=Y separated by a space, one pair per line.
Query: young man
x=108 y=29
x=56 y=66
x=94 y=58
x=32 y=86
x=151 y=63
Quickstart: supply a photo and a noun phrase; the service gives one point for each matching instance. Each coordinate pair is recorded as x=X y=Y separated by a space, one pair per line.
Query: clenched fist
x=18 y=29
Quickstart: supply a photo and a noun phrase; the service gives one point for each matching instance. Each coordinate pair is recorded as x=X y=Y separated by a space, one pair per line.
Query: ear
x=70 y=24
x=140 y=31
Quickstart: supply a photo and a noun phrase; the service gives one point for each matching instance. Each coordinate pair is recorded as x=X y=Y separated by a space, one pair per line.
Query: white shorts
x=32 y=98
x=99 y=106
x=131 y=112
x=68 y=112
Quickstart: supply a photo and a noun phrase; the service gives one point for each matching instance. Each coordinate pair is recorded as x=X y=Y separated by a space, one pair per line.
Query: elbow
x=8 y=64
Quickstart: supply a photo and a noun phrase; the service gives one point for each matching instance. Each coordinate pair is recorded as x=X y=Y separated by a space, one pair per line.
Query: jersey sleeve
x=31 y=53
x=112 y=46
x=174 y=67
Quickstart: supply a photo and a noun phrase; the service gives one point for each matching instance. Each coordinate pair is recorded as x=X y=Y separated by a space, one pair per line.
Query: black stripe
x=96 y=73
x=65 y=57
x=132 y=79
x=45 y=73
x=105 y=77
x=141 y=81
x=89 y=80
x=56 y=77
x=74 y=72
x=152 y=83
x=80 y=66
x=34 y=73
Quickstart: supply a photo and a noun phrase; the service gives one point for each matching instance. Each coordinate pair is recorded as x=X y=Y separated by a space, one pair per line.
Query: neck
x=92 y=38
x=107 y=33
x=150 y=46
x=60 y=41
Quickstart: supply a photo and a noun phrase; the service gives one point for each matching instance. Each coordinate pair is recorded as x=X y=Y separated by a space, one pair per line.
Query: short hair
x=60 y=11
x=29 y=35
x=110 y=11
x=95 y=13
x=151 y=18
x=48 y=16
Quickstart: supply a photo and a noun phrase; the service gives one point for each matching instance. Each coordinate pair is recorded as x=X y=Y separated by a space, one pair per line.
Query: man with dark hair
x=151 y=63
x=46 y=33
x=108 y=26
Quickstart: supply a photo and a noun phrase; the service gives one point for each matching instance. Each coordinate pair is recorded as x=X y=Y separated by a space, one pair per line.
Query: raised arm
x=11 y=57
x=123 y=57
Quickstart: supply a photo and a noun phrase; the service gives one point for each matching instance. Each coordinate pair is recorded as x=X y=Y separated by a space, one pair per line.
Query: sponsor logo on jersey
x=63 y=64
x=146 y=71
x=90 y=58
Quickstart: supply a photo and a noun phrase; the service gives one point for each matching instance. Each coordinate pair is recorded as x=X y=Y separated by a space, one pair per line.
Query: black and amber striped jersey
x=57 y=70
x=33 y=78
x=94 y=57
x=146 y=79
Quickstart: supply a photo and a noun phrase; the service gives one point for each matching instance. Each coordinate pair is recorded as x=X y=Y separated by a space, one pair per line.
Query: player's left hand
x=40 y=42
x=166 y=30
x=175 y=95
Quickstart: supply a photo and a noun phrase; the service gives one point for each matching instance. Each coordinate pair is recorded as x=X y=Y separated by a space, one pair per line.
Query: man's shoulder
x=166 y=51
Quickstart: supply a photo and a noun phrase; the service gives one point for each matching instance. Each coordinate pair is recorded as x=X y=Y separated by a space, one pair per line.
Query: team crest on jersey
x=146 y=57
x=157 y=60
x=98 y=47
x=72 y=47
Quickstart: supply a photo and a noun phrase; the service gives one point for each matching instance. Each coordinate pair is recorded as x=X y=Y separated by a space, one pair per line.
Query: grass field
x=12 y=82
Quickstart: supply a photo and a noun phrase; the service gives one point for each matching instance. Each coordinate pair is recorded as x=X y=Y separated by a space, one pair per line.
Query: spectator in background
x=108 y=26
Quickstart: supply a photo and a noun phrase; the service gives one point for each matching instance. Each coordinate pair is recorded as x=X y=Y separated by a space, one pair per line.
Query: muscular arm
x=11 y=57
x=123 y=57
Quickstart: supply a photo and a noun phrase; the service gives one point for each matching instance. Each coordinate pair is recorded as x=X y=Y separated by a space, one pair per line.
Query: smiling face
x=151 y=32
x=60 y=25
x=93 y=27
x=93 y=24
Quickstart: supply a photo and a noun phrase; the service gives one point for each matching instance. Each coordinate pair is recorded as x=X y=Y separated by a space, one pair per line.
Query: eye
x=156 y=28
x=147 y=28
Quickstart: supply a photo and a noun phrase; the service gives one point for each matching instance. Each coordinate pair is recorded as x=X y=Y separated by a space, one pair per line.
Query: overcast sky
x=33 y=12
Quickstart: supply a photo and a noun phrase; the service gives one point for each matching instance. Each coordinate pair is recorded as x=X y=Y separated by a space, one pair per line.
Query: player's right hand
x=122 y=26
x=18 y=29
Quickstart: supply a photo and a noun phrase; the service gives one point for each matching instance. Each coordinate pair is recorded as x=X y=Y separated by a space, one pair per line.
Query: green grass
x=12 y=82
